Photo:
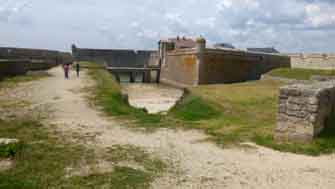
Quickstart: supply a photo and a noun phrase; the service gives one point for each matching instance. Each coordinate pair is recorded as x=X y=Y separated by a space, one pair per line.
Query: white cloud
x=290 y=25
x=320 y=15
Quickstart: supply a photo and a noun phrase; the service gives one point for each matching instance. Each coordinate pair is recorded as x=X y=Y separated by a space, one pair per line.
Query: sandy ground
x=193 y=163
x=153 y=97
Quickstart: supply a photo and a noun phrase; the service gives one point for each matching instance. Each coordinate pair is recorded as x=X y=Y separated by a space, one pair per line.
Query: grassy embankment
x=299 y=73
x=44 y=159
x=230 y=114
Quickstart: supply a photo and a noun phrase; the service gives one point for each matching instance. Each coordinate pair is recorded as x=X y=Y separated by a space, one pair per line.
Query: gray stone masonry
x=303 y=110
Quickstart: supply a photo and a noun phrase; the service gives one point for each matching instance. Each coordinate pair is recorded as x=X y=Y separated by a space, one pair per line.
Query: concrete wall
x=180 y=68
x=116 y=57
x=313 y=61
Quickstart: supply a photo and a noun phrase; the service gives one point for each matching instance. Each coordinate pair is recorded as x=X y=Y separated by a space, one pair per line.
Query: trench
x=154 y=98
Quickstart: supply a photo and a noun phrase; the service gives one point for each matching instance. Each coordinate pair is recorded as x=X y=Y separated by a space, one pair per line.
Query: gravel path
x=193 y=163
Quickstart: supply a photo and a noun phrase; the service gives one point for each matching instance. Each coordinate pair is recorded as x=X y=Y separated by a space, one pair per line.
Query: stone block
x=303 y=109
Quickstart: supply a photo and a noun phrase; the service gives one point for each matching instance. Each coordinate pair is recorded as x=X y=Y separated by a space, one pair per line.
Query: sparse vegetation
x=324 y=144
x=230 y=114
x=124 y=176
x=299 y=73
x=107 y=94
x=44 y=157
x=9 y=150
x=133 y=154
x=193 y=108
x=45 y=160
x=30 y=76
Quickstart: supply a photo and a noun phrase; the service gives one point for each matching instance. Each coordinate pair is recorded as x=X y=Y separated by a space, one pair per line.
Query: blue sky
x=288 y=25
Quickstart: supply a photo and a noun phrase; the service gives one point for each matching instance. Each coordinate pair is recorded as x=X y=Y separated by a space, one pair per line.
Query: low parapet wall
x=41 y=55
x=304 y=110
x=313 y=61
x=21 y=67
x=17 y=61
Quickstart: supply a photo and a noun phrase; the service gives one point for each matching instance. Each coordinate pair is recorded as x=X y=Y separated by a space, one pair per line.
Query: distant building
x=264 y=50
x=224 y=46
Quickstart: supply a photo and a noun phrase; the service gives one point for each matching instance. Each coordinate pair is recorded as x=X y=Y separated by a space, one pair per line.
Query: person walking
x=66 y=71
x=77 y=69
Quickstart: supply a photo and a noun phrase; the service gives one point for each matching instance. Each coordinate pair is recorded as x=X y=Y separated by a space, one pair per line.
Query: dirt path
x=193 y=163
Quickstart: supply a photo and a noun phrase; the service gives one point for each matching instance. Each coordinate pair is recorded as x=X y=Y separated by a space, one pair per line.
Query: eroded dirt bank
x=154 y=98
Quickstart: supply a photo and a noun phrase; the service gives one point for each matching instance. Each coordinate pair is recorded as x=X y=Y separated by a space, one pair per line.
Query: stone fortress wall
x=313 y=60
x=17 y=61
x=116 y=57
x=228 y=66
x=201 y=65
x=180 y=68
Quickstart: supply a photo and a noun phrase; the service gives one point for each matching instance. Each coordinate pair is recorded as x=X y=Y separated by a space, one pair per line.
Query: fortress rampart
x=17 y=61
x=313 y=60
x=201 y=65
x=116 y=57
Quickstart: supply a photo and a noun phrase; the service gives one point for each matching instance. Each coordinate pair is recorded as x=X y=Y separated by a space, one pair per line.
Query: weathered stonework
x=313 y=61
x=18 y=61
x=116 y=57
x=303 y=110
x=200 y=65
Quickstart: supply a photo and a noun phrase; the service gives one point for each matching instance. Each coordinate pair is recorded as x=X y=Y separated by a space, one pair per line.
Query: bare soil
x=154 y=98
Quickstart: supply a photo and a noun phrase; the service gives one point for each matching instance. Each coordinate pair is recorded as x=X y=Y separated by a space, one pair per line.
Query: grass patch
x=136 y=155
x=246 y=109
x=124 y=177
x=9 y=150
x=121 y=178
x=229 y=113
x=30 y=76
x=299 y=73
x=249 y=114
x=43 y=160
x=107 y=95
x=323 y=144
x=193 y=108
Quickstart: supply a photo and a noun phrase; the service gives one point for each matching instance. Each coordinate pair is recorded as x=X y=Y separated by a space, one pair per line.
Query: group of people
x=66 y=68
